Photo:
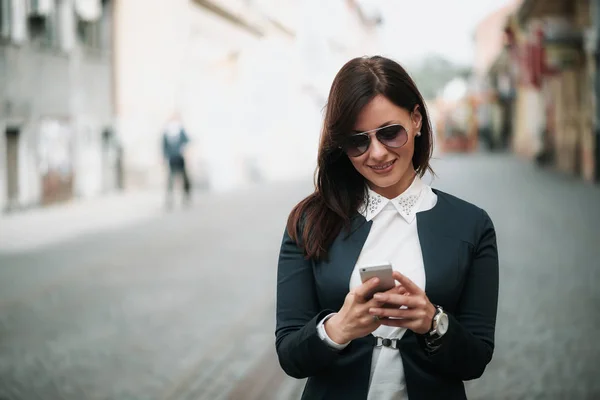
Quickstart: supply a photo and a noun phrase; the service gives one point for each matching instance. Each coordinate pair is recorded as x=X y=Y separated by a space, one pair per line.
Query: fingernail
x=379 y=296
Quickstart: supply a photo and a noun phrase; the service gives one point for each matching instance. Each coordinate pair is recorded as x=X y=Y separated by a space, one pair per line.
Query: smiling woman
x=367 y=95
x=435 y=329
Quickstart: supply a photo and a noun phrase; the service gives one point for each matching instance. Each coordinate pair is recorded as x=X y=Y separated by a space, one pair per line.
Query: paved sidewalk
x=181 y=306
x=43 y=226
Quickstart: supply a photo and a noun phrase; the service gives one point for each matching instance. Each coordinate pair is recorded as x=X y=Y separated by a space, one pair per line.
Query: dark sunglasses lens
x=392 y=136
x=356 y=145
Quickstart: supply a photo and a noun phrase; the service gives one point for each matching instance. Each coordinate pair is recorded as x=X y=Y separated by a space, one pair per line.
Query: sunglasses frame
x=374 y=131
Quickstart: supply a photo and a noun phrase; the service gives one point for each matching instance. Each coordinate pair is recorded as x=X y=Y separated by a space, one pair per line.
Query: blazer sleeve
x=300 y=350
x=185 y=139
x=467 y=347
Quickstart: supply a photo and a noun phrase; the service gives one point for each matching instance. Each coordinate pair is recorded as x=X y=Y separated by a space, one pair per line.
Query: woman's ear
x=417 y=117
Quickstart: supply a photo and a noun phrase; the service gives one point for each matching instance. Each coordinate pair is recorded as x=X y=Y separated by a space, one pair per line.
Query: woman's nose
x=377 y=150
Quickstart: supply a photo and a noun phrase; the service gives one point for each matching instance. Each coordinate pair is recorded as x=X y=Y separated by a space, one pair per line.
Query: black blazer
x=458 y=243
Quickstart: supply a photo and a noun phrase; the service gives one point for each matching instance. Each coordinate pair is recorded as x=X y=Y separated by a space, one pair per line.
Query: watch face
x=442 y=327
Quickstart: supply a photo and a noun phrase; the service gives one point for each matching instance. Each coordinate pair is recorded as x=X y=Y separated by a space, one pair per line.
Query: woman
x=370 y=204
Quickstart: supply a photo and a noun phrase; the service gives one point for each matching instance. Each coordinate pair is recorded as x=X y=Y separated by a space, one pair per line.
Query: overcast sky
x=415 y=28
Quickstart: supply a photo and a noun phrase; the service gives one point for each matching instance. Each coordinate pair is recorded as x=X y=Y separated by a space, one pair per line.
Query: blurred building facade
x=560 y=70
x=543 y=78
x=248 y=79
x=86 y=87
x=454 y=122
x=56 y=101
x=492 y=87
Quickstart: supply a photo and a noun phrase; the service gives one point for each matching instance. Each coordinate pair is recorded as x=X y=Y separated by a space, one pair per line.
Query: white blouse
x=393 y=238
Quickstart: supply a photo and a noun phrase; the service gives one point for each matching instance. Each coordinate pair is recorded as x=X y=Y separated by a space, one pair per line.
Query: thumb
x=366 y=288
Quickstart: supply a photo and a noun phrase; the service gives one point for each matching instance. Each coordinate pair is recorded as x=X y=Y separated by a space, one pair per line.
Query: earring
x=418 y=133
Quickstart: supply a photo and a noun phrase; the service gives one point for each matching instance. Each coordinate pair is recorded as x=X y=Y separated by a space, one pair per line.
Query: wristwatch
x=439 y=324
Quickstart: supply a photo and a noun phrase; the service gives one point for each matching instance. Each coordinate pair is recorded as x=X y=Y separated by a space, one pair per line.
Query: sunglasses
x=393 y=136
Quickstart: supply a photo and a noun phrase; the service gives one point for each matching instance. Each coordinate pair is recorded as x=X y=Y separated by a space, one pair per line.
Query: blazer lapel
x=427 y=241
x=333 y=276
x=440 y=250
x=355 y=241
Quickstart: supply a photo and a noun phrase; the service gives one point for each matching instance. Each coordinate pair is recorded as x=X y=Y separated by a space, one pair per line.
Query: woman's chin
x=385 y=181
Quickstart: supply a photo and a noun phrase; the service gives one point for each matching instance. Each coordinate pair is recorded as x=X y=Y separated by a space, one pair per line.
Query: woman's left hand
x=418 y=314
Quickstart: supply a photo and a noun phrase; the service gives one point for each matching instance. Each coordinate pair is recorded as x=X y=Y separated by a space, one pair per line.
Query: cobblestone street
x=180 y=305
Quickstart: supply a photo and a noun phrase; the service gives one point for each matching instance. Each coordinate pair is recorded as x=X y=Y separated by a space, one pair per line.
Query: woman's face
x=388 y=171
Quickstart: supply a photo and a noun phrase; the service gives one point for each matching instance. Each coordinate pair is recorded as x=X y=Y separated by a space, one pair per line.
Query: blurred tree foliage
x=433 y=72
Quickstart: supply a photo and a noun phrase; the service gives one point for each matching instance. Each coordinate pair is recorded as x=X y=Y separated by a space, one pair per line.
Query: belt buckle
x=385 y=342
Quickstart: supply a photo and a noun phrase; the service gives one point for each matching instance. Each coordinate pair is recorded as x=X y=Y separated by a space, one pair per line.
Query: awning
x=88 y=10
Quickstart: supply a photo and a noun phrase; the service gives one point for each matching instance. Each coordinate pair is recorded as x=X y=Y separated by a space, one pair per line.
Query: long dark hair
x=339 y=189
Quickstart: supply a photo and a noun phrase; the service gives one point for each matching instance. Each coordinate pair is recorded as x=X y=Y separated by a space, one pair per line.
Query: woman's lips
x=383 y=168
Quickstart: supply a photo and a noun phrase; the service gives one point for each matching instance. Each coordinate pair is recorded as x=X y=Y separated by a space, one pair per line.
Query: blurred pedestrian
x=175 y=140
x=435 y=329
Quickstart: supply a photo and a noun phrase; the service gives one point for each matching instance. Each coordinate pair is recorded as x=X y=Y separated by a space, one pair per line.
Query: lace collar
x=406 y=203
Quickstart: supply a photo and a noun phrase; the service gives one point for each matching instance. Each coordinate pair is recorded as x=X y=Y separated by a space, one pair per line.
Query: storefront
x=557 y=65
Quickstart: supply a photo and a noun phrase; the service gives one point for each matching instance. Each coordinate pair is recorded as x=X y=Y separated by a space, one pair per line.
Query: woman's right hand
x=353 y=320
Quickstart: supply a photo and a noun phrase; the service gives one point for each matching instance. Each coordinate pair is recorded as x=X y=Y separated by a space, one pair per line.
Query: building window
x=42 y=28
x=88 y=33
x=93 y=24
x=36 y=26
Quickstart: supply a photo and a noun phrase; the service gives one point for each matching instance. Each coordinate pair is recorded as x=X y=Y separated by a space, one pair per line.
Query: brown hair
x=339 y=189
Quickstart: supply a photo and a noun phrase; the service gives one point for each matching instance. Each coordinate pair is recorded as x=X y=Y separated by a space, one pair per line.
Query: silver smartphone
x=383 y=271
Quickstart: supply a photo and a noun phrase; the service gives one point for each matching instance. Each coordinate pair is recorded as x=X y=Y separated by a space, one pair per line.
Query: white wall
x=282 y=122
x=241 y=98
x=149 y=48
x=184 y=70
